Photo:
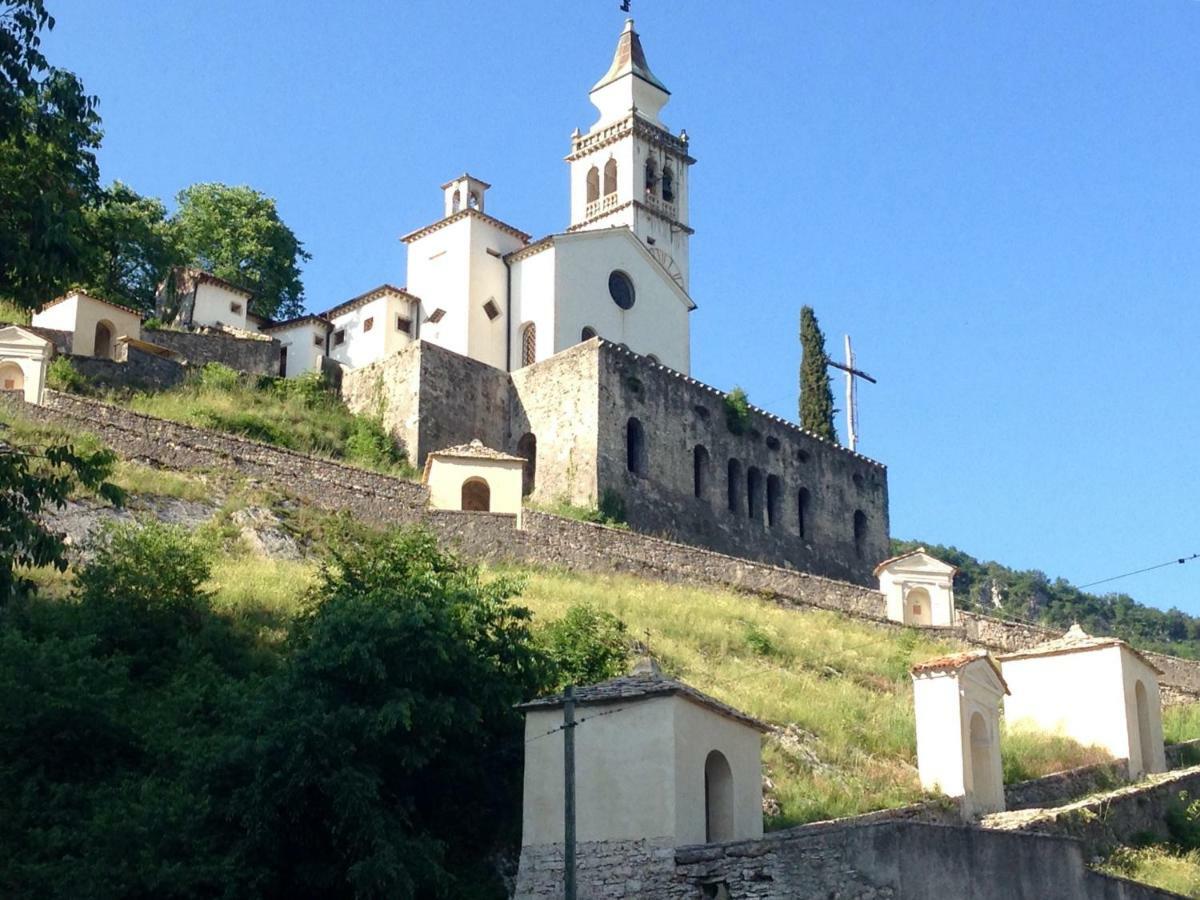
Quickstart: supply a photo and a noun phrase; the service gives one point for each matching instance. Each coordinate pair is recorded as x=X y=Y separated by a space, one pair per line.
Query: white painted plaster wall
x=698 y=731
x=217 y=305
x=625 y=785
x=301 y=340
x=80 y=314
x=920 y=572
x=487 y=280
x=1134 y=670
x=362 y=347
x=1080 y=695
x=533 y=292
x=940 y=758
x=447 y=474
x=439 y=272
x=30 y=355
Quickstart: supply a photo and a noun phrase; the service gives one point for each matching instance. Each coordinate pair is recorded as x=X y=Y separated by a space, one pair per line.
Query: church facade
x=573 y=352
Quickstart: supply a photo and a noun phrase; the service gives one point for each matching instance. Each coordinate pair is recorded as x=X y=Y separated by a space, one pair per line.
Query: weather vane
x=625 y=5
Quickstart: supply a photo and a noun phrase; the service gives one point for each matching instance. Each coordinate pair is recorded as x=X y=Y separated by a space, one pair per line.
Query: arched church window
x=620 y=288
x=700 y=471
x=860 y=533
x=529 y=345
x=588 y=333
x=473 y=200
x=734 y=486
x=635 y=447
x=668 y=185
x=803 y=502
x=610 y=177
x=593 y=184
x=774 y=489
x=456 y=202
x=651 y=178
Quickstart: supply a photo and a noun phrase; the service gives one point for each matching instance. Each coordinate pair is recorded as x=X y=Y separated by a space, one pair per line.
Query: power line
x=1172 y=562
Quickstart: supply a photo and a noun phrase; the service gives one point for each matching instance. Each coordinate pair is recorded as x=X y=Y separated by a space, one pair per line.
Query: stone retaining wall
x=136 y=369
x=1060 y=787
x=1104 y=821
x=258 y=356
x=885 y=860
x=546 y=539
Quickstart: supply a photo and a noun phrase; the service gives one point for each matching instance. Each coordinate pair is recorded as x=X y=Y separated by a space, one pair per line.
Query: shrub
x=737 y=411
x=587 y=645
x=154 y=323
x=216 y=376
x=61 y=375
x=370 y=445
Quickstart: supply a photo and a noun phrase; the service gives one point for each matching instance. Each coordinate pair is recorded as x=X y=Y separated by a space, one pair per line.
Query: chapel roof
x=919 y=551
x=200 y=276
x=629 y=58
x=294 y=321
x=1074 y=641
x=645 y=681
x=76 y=293
x=364 y=298
x=957 y=661
x=462 y=214
x=473 y=450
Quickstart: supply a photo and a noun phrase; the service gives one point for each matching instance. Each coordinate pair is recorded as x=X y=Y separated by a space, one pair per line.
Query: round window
x=620 y=287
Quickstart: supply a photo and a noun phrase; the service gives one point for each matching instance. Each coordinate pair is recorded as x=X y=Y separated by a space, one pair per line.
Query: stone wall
x=258 y=356
x=1052 y=790
x=135 y=370
x=431 y=398
x=885 y=860
x=1103 y=821
x=323 y=483
x=545 y=540
x=750 y=483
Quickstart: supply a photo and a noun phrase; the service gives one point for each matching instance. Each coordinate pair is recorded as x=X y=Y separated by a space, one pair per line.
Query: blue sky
x=998 y=201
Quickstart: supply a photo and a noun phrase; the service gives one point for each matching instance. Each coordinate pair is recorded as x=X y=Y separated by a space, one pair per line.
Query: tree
x=387 y=762
x=32 y=482
x=816 y=396
x=130 y=249
x=49 y=133
x=236 y=234
x=587 y=645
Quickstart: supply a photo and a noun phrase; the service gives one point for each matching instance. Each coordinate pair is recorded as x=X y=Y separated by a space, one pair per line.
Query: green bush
x=587 y=645
x=737 y=411
x=154 y=323
x=611 y=508
x=370 y=445
x=61 y=375
x=216 y=376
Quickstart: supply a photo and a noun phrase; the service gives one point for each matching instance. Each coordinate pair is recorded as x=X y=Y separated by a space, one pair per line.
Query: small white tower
x=464 y=192
x=629 y=169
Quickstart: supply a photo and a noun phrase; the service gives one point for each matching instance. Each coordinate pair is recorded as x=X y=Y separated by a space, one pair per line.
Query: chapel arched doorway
x=1145 y=735
x=102 y=347
x=476 y=495
x=918 y=607
x=983 y=776
x=718 y=798
x=12 y=377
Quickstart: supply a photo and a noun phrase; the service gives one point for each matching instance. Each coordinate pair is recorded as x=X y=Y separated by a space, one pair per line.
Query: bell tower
x=628 y=169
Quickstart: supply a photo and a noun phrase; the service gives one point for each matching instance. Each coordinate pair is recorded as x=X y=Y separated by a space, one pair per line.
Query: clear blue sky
x=999 y=201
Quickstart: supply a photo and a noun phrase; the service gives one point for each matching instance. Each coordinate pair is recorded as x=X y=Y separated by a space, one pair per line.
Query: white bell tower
x=629 y=169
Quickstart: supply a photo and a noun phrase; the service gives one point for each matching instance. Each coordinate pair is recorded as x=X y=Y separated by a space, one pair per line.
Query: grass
x=10 y=313
x=297 y=413
x=1027 y=754
x=1159 y=865
x=1181 y=723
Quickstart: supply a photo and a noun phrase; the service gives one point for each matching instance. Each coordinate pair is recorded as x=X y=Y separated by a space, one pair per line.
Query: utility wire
x=1172 y=562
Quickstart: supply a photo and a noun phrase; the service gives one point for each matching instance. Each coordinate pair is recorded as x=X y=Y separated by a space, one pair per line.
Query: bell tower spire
x=629 y=169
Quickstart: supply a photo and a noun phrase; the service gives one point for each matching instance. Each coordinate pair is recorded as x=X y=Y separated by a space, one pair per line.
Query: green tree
x=236 y=234
x=387 y=762
x=49 y=133
x=587 y=645
x=33 y=482
x=130 y=248
x=816 y=396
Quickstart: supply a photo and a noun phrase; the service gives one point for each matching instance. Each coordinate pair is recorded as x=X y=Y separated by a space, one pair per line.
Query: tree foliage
x=587 y=645
x=236 y=234
x=32 y=482
x=130 y=247
x=816 y=395
x=49 y=134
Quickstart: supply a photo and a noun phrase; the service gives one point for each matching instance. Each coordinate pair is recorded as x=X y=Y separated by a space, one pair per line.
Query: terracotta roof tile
x=957 y=661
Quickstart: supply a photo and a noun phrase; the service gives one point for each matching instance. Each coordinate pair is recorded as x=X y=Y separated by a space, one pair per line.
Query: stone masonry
x=604 y=424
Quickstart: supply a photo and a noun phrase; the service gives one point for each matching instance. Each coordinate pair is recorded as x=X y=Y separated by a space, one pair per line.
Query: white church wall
x=533 y=293
x=80 y=314
x=1080 y=695
x=488 y=280
x=699 y=731
x=305 y=344
x=357 y=337
x=439 y=273
x=625 y=787
x=657 y=324
x=218 y=305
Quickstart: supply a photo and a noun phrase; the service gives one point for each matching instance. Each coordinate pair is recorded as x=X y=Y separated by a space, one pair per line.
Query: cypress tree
x=816 y=396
